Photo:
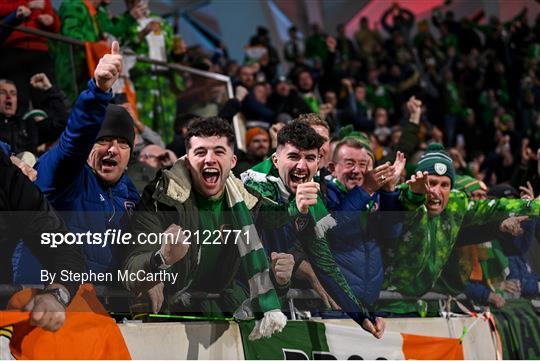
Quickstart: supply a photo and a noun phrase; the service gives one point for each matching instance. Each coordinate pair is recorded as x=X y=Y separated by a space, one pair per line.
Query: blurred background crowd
x=477 y=79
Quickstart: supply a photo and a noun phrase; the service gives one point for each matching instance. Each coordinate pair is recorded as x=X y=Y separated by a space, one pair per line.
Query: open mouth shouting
x=108 y=164
x=211 y=177
x=9 y=107
x=352 y=181
x=434 y=205
x=297 y=177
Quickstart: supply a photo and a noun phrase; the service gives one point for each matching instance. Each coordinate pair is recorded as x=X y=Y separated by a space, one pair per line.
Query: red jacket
x=19 y=39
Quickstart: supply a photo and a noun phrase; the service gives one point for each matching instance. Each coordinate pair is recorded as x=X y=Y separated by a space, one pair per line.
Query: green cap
x=436 y=161
x=468 y=184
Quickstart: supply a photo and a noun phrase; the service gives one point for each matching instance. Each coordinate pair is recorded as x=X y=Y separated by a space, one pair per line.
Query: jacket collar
x=176 y=183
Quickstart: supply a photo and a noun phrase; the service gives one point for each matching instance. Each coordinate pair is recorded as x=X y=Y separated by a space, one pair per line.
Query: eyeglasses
x=349 y=163
x=107 y=141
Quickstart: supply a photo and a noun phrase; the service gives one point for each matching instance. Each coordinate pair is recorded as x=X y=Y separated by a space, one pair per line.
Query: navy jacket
x=354 y=241
x=516 y=250
x=69 y=183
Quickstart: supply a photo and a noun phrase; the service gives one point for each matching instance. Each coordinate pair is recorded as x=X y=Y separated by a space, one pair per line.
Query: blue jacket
x=354 y=240
x=69 y=183
x=5 y=148
x=477 y=291
x=516 y=250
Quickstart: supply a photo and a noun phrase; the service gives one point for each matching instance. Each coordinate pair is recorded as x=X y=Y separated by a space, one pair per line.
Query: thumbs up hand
x=109 y=68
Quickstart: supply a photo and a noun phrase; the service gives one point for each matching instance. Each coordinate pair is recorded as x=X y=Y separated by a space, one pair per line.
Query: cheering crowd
x=388 y=162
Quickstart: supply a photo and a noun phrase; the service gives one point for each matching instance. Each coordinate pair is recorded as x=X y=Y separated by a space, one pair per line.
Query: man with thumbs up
x=292 y=218
x=84 y=172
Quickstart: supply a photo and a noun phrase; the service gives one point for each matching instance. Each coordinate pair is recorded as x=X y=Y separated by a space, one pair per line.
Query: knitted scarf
x=262 y=295
x=266 y=172
x=264 y=179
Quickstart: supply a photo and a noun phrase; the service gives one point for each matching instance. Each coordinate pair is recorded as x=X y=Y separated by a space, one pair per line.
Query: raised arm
x=61 y=165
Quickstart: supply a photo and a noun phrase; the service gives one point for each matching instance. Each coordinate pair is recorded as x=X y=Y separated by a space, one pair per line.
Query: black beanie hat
x=118 y=123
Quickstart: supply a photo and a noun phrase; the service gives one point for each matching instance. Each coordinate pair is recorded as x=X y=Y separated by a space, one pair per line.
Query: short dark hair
x=8 y=81
x=184 y=121
x=360 y=84
x=209 y=127
x=301 y=135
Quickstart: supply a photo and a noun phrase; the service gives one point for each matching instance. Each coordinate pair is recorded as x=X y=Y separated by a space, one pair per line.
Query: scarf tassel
x=273 y=321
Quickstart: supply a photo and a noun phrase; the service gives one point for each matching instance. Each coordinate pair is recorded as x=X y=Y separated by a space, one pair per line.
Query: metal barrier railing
x=178 y=67
x=108 y=294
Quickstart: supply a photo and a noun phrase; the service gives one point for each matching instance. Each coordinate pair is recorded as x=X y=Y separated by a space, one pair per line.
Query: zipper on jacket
x=112 y=204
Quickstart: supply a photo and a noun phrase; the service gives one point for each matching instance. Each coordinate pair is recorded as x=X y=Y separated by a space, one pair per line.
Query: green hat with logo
x=436 y=161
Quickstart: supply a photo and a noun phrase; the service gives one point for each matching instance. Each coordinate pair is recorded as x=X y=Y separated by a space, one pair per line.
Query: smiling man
x=200 y=196
x=292 y=217
x=355 y=193
x=415 y=262
x=83 y=175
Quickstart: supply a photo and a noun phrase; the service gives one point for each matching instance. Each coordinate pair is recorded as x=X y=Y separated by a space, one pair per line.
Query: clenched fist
x=109 y=68
x=306 y=195
x=282 y=266
x=45 y=19
x=173 y=249
x=414 y=106
x=40 y=81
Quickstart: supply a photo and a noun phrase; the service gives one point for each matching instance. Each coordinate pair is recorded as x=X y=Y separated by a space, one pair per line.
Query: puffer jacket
x=354 y=241
x=69 y=183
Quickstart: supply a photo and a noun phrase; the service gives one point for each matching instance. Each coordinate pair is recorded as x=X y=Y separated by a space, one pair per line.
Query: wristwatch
x=60 y=294
x=159 y=262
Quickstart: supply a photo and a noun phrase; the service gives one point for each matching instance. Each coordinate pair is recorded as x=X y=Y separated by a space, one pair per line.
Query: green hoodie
x=415 y=262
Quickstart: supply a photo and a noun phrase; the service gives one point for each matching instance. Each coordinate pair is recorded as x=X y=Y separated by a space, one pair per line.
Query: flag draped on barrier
x=519 y=326
x=307 y=340
x=88 y=332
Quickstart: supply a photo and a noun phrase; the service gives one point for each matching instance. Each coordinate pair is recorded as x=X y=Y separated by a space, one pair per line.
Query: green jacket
x=414 y=262
x=169 y=200
x=278 y=218
x=77 y=23
x=130 y=38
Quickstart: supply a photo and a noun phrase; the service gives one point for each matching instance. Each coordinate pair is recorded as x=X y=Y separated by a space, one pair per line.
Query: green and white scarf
x=265 y=172
x=262 y=295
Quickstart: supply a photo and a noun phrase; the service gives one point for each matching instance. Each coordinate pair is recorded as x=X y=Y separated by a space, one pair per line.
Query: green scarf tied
x=266 y=172
x=263 y=179
x=262 y=295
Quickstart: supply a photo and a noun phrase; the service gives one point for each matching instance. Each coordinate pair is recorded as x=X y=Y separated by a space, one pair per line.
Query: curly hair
x=209 y=127
x=299 y=134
